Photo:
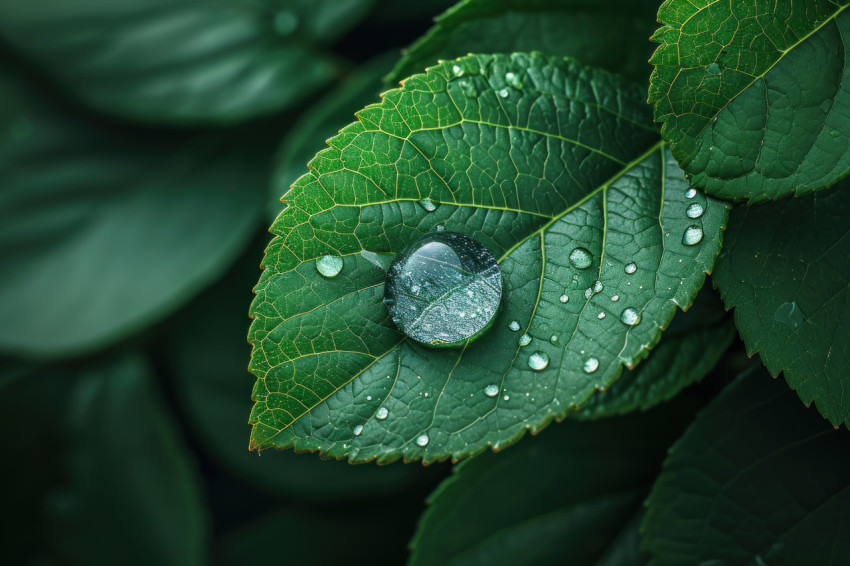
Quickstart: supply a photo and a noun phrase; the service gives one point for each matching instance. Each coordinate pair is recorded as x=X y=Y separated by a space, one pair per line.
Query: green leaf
x=754 y=95
x=584 y=29
x=206 y=344
x=105 y=230
x=574 y=492
x=324 y=120
x=182 y=61
x=533 y=172
x=756 y=479
x=689 y=350
x=786 y=271
x=134 y=496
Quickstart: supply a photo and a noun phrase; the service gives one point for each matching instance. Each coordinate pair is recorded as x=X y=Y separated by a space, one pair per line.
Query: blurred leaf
x=569 y=495
x=179 y=61
x=209 y=351
x=785 y=269
x=134 y=496
x=611 y=34
x=547 y=157
x=689 y=350
x=756 y=479
x=105 y=230
x=324 y=120
x=754 y=95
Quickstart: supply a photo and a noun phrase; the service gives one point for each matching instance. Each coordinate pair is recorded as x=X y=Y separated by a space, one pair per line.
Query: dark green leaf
x=104 y=230
x=754 y=95
x=610 y=34
x=208 y=348
x=688 y=351
x=756 y=479
x=134 y=496
x=570 y=495
x=786 y=270
x=565 y=161
x=178 y=61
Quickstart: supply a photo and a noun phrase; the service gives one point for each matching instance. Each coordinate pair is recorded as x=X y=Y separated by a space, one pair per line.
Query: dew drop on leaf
x=615 y=298
x=504 y=93
x=491 y=390
x=428 y=205
x=714 y=69
x=513 y=80
x=834 y=133
x=457 y=70
x=630 y=316
x=329 y=265
x=422 y=440
x=580 y=258
x=538 y=361
x=631 y=268
x=600 y=316
x=382 y=413
x=789 y=314
x=443 y=289
x=691 y=193
x=591 y=365
x=358 y=430
x=692 y=236
x=695 y=210
x=524 y=340
x=564 y=298
x=514 y=325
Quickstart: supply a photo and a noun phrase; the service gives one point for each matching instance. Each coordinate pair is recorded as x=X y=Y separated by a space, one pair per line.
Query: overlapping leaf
x=755 y=96
x=756 y=479
x=786 y=270
x=560 y=158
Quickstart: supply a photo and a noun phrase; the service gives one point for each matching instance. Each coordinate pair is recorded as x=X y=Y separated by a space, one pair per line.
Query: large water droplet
x=692 y=236
x=382 y=413
x=422 y=440
x=630 y=316
x=358 y=430
x=580 y=258
x=428 y=205
x=329 y=265
x=538 y=361
x=691 y=193
x=630 y=268
x=514 y=325
x=790 y=314
x=524 y=340
x=694 y=210
x=600 y=316
x=591 y=365
x=491 y=390
x=443 y=289
x=285 y=23
x=564 y=299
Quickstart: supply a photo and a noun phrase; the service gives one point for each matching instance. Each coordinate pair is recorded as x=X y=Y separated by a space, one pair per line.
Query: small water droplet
x=564 y=299
x=382 y=413
x=615 y=298
x=491 y=390
x=422 y=440
x=694 y=210
x=714 y=69
x=513 y=80
x=368 y=397
x=790 y=314
x=630 y=268
x=507 y=397
x=538 y=361
x=591 y=365
x=428 y=205
x=692 y=236
x=514 y=325
x=834 y=133
x=580 y=258
x=439 y=227
x=329 y=265
x=285 y=23
x=597 y=287
x=504 y=93
x=600 y=316
x=358 y=429
x=553 y=339
x=425 y=394
x=691 y=193
x=457 y=70
x=630 y=316
x=524 y=340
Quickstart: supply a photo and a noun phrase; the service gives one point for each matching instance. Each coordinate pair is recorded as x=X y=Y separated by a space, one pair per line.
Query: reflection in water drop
x=600 y=316
x=422 y=440
x=694 y=210
x=329 y=265
x=491 y=390
x=591 y=365
x=789 y=314
x=382 y=413
x=630 y=316
x=538 y=361
x=524 y=340
x=580 y=258
x=692 y=236
x=691 y=193
x=443 y=289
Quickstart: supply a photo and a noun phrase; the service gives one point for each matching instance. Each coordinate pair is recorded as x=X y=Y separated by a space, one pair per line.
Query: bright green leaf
x=754 y=95
x=786 y=271
x=134 y=496
x=569 y=495
x=688 y=351
x=585 y=29
x=566 y=161
x=756 y=479
x=208 y=349
x=179 y=61
x=104 y=230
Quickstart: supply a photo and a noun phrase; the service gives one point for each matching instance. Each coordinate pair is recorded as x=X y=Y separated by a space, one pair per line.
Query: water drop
x=600 y=316
x=714 y=69
x=329 y=265
x=692 y=236
x=691 y=193
x=564 y=299
x=630 y=316
x=358 y=429
x=368 y=397
x=436 y=282
x=382 y=413
x=694 y=210
x=630 y=268
x=524 y=340
x=467 y=88
x=591 y=365
x=790 y=314
x=422 y=440
x=428 y=205
x=504 y=93
x=425 y=394
x=514 y=325
x=580 y=258
x=538 y=361
x=513 y=80
x=285 y=23
x=553 y=339
x=507 y=397
x=439 y=227
x=457 y=70
x=491 y=390
x=615 y=298
x=597 y=287
x=834 y=133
